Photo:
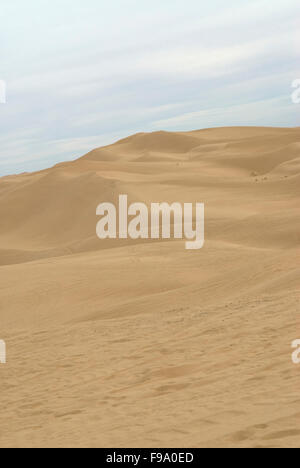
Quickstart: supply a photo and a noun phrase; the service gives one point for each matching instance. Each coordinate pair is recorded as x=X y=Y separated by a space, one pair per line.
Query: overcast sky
x=81 y=74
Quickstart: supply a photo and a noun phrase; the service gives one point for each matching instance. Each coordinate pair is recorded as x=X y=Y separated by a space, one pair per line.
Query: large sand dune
x=142 y=343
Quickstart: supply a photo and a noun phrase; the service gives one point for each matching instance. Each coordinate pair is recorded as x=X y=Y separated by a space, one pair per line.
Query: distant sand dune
x=121 y=343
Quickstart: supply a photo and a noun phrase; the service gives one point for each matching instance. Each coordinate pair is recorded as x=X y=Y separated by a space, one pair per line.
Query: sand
x=142 y=343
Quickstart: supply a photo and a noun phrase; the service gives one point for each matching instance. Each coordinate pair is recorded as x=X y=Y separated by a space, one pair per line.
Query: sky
x=82 y=74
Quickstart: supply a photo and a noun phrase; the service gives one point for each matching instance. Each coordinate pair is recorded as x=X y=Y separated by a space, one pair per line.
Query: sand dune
x=142 y=343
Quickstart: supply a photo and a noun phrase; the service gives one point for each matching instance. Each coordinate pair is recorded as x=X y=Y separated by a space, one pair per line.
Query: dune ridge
x=141 y=343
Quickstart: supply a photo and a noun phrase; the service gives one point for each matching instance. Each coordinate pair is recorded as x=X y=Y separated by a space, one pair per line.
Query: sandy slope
x=144 y=343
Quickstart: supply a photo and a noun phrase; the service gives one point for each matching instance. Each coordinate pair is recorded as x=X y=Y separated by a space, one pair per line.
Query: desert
x=140 y=342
